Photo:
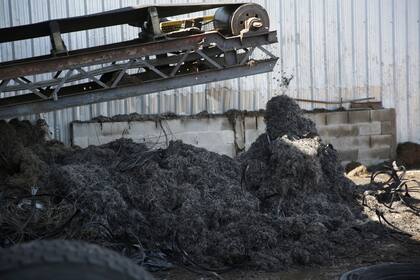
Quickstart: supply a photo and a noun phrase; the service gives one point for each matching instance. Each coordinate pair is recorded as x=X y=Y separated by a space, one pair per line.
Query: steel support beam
x=128 y=50
x=94 y=56
x=104 y=95
x=114 y=67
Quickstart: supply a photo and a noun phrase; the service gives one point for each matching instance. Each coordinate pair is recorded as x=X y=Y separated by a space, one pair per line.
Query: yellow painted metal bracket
x=175 y=25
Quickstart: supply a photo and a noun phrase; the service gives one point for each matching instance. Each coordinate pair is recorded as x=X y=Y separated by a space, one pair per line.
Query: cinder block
x=148 y=139
x=388 y=127
x=348 y=155
x=152 y=139
x=115 y=128
x=207 y=139
x=359 y=116
x=95 y=141
x=261 y=123
x=373 y=128
x=82 y=133
x=195 y=125
x=148 y=129
x=187 y=125
x=383 y=115
x=239 y=134
x=101 y=140
x=317 y=118
x=337 y=118
x=82 y=142
x=215 y=124
x=222 y=122
x=215 y=142
x=261 y=128
x=334 y=131
x=228 y=149
x=370 y=162
x=343 y=143
x=344 y=163
x=208 y=124
x=381 y=153
x=250 y=136
x=254 y=124
x=381 y=141
x=80 y=130
x=251 y=123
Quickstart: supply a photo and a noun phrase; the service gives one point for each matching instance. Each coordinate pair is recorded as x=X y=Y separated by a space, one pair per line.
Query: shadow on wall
x=408 y=154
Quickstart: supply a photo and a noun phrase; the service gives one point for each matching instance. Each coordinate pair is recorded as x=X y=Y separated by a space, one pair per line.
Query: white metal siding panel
x=287 y=41
x=388 y=96
x=373 y=55
x=318 y=50
x=360 y=51
x=333 y=48
x=413 y=35
x=273 y=79
x=400 y=65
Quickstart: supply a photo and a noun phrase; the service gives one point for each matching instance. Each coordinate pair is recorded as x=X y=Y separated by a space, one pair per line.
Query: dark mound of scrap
x=283 y=116
x=284 y=202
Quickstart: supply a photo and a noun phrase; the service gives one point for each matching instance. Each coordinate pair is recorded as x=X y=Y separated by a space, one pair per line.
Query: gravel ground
x=400 y=215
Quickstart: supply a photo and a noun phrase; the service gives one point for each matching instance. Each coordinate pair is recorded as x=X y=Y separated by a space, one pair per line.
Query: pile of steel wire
x=391 y=186
x=395 y=187
x=35 y=216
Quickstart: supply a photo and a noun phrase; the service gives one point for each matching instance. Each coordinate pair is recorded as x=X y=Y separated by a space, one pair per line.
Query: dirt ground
x=400 y=215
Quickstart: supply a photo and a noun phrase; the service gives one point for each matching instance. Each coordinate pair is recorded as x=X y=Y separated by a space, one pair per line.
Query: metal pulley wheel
x=249 y=17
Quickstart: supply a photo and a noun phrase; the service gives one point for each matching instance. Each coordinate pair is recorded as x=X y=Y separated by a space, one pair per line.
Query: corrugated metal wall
x=334 y=48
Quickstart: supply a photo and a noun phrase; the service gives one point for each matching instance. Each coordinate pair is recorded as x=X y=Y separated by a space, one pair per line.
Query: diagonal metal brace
x=267 y=52
x=206 y=57
x=247 y=56
x=178 y=65
x=60 y=85
x=4 y=84
x=153 y=68
x=92 y=77
x=122 y=72
x=30 y=87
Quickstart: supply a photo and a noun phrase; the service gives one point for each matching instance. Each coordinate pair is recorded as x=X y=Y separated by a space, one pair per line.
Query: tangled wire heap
x=284 y=202
x=391 y=187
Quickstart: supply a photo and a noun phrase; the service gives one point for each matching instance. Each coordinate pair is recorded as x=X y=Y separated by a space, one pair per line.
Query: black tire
x=66 y=260
x=394 y=271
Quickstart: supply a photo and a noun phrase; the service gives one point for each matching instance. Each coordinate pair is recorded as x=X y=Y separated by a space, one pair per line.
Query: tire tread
x=43 y=252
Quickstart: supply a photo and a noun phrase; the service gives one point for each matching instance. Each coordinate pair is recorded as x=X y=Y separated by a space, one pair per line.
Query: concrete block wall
x=215 y=133
x=367 y=136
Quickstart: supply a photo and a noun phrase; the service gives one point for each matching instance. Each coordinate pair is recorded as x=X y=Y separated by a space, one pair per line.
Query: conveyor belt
x=159 y=61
